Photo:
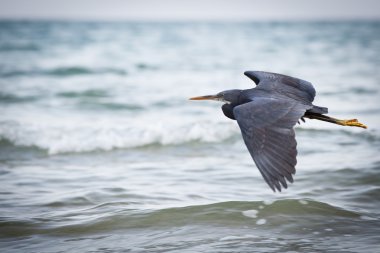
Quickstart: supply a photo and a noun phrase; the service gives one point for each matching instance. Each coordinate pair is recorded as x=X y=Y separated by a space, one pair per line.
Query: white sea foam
x=250 y=213
x=261 y=221
x=76 y=133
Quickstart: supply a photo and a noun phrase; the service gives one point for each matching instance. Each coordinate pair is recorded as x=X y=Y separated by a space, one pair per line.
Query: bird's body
x=266 y=116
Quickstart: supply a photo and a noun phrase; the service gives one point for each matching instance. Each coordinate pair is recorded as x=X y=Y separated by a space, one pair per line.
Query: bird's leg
x=350 y=122
x=303 y=120
x=342 y=122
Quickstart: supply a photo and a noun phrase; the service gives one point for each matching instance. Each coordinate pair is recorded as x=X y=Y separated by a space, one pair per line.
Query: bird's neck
x=244 y=97
x=228 y=110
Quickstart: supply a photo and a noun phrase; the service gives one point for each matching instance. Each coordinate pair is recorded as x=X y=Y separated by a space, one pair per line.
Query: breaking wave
x=104 y=136
x=71 y=136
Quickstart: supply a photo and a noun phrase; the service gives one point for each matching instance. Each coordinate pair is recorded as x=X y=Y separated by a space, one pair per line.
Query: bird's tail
x=342 y=122
x=319 y=109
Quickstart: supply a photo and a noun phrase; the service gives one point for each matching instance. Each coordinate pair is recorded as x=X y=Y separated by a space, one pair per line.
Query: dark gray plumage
x=266 y=116
x=267 y=123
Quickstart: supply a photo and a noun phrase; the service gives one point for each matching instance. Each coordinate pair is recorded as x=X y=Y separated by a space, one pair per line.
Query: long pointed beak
x=208 y=97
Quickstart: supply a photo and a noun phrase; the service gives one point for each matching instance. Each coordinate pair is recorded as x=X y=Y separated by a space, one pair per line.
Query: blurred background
x=101 y=151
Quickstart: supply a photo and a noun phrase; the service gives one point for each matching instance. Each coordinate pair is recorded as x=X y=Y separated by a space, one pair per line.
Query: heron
x=267 y=114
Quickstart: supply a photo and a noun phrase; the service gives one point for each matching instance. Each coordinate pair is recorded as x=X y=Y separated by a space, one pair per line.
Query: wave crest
x=277 y=214
x=106 y=136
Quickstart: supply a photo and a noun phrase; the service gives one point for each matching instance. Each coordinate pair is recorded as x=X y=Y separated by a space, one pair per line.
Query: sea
x=101 y=150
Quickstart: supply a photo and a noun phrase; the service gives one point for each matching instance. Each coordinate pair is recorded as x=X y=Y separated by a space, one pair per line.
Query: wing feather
x=291 y=87
x=267 y=125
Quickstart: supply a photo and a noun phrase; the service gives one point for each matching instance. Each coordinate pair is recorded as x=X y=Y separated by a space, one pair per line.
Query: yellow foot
x=351 y=122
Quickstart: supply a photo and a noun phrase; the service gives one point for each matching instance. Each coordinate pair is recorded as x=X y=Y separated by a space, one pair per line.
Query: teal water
x=100 y=150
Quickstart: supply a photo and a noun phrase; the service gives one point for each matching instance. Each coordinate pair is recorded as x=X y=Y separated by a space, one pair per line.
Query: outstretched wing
x=298 y=89
x=266 y=124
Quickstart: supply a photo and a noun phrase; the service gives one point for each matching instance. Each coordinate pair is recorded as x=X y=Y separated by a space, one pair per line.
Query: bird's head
x=227 y=96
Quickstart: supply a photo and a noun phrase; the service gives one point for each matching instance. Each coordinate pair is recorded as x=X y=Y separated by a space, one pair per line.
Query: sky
x=237 y=10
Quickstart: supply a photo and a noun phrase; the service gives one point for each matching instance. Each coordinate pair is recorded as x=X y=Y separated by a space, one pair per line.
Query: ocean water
x=101 y=150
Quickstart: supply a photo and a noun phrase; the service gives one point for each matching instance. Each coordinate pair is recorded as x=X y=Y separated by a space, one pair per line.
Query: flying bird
x=266 y=116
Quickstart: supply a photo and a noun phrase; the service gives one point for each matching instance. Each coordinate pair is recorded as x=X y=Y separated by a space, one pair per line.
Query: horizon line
x=186 y=20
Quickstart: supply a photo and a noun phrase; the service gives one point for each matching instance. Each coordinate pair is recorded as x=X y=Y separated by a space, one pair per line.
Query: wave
x=90 y=99
x=12 y=98
x=64 y=72
x=77 y=137
x=371 y=135
x=119 y=216
x=69 y=71
x=9 y=47
x=239 y=211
